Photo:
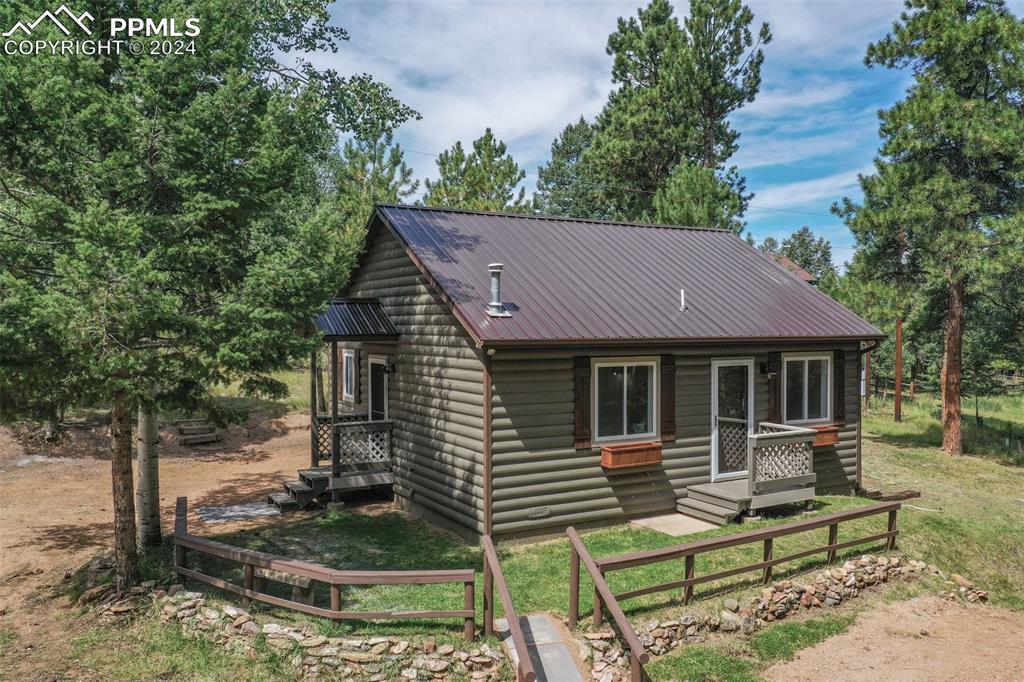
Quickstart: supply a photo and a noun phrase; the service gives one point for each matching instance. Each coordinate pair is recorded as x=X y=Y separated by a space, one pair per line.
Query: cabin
x=517 y=374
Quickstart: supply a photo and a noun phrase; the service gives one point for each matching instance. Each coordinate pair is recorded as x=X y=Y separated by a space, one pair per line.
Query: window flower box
x=827 y=435
x=626 y=455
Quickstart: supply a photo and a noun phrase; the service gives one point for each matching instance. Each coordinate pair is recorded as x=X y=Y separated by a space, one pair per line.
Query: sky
x=527 y=68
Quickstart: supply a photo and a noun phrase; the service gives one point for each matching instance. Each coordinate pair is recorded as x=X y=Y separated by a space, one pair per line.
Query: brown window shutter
x=667 y=407
x=775 y=389
x=839 y=387
x=581 y=397
x=357 y=357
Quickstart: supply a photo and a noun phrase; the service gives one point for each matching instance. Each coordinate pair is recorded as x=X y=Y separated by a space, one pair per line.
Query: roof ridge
x=545 y=216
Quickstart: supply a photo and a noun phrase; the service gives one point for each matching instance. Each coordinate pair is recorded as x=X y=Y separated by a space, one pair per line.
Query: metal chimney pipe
x=496 y=308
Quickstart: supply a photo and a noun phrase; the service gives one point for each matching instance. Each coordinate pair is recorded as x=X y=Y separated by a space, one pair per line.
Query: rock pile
x=373 y=658
x=312 y=654
x=829 y=588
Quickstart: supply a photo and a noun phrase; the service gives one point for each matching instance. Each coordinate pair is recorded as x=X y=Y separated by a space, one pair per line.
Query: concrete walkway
x=549 y=652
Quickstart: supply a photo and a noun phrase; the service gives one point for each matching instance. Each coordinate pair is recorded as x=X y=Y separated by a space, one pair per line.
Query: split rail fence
x=605 y=598
x=334 y=579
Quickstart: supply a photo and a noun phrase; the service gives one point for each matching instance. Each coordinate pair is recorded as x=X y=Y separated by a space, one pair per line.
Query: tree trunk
x=148 y=493
x=952 y=369
x=321 y=394
x=126 y=558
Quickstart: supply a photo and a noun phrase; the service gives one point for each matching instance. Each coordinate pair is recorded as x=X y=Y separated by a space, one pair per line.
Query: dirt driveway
x=56 y=513
x=926 y=639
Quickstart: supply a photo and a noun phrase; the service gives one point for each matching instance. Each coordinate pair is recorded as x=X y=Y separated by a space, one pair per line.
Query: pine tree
x=812 y=253
x=484 y=179
x=695 y=195
x=162 y=242
x=565 y=184
x=943 y=208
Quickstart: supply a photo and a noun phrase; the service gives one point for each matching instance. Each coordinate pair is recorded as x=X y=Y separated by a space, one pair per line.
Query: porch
x=779 y=470
x=349 y=449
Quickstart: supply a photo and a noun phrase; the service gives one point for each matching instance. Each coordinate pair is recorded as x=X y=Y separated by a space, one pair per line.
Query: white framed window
x=806 y=388
x=624 y=399
x=348 y=374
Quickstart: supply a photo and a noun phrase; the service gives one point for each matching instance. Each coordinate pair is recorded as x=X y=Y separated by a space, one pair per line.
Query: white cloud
x=815 y=195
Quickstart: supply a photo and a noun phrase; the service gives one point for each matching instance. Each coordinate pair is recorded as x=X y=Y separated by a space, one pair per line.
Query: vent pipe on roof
x=496 y=308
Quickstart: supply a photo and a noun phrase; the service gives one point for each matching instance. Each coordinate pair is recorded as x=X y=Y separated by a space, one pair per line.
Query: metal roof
x=578 y=281
x=356 y=319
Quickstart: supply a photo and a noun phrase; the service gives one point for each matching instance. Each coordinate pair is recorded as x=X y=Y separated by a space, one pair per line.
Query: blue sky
x=527 y=68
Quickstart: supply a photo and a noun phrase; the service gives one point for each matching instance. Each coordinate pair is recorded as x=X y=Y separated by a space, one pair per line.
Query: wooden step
x=189 y=422
x=196 y=429
x=710 y=496
x=317 y=479
x=704 y=511
x=200 y=439
x=300 y=492
x=283 y=501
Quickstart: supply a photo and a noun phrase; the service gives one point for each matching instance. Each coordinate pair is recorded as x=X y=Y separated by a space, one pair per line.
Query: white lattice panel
x=732 y=446
x=372 y=447
x=781 y=460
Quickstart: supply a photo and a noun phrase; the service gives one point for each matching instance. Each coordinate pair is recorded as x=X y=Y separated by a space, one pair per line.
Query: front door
x=732 y=416
x=378 y=389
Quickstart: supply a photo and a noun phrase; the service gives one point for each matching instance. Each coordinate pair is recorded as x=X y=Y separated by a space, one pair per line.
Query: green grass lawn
x=969 y=520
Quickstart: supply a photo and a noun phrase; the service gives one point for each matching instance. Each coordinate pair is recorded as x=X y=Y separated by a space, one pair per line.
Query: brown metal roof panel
x=583 y=280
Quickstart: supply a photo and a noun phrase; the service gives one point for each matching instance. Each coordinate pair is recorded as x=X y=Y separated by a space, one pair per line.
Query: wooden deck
x=723 y=501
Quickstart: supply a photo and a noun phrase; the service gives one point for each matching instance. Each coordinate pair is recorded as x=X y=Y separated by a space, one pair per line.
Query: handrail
x=364 y=426
x=493 y=574
x=334 y=578
x=710 y=544
x=603 y=594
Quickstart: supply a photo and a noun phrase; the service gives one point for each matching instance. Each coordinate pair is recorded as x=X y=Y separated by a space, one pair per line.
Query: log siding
x=435 y=395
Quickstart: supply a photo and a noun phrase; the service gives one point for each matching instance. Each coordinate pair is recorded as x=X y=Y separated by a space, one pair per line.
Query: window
x=807 y=380
x=348 y=374
x=624 y=399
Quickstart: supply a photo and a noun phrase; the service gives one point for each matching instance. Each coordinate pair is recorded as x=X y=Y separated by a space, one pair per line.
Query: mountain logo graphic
x=27 y=28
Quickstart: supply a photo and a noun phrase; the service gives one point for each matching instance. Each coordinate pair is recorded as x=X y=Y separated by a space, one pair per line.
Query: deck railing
x=779 y=457
x=334 y=579
x=604 y=598
x=360 y=441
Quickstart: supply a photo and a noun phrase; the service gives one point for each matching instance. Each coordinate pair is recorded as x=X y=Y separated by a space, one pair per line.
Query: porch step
x=283 y=501
x=717 y=497
x=300 y=492
x=705 y=511
x=317 y=479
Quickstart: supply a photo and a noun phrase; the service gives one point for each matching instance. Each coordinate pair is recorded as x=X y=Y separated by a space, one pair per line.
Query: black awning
x=356 y=319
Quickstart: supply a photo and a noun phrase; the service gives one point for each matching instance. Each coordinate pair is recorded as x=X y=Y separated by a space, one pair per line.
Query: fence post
x=574 y=586
x=488 y=598
x=180 y=530
x=688 y=591
x=833 y=537
x=335 y=597
x=636 y=673
x=247 y=573
x=766 y=575
x=892 y=529
x=470 y=605
x=598 y=616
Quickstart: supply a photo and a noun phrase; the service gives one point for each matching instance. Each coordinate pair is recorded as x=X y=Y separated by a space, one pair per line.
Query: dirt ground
x=56 y=513
x=926 y=639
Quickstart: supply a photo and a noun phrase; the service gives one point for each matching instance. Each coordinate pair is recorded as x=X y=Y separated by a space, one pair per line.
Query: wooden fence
x=604 y=598
x=493 y=576
x=334 y=579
